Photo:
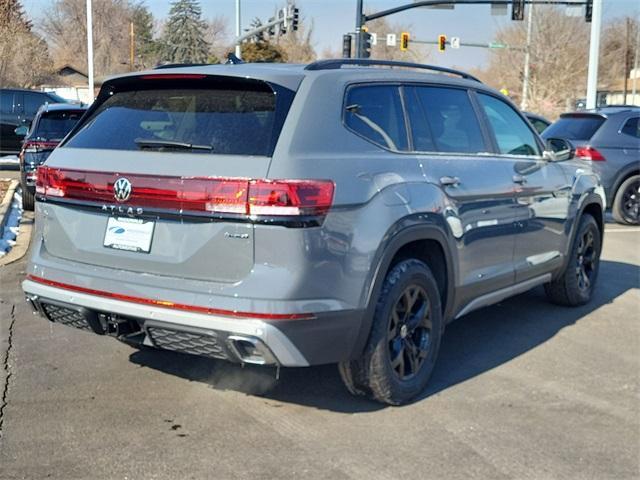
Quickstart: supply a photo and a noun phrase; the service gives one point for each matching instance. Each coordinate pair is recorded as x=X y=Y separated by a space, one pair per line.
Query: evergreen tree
x=183 y=40
x=146 y=47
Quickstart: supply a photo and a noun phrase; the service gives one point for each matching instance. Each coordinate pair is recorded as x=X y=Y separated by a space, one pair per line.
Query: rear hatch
x=578 y=127
x=155 y=178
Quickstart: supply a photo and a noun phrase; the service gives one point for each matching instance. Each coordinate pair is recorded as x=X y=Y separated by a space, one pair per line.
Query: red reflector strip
x=172 y=305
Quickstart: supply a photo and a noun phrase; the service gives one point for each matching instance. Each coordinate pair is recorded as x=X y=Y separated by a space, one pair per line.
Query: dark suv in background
x=50 y=125
x=608 y=137
x=17 y=108
x=298 y=215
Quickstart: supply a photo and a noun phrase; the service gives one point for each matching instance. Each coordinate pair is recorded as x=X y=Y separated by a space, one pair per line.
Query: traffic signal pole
x=594 y=48
x=359 y=19
x=527 y=60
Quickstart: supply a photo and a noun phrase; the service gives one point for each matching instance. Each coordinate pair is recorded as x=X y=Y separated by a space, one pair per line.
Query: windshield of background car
x=232 y=116
x=575 y=127
x=55 y=125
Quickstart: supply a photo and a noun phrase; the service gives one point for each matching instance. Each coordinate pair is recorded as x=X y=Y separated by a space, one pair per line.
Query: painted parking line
x=622 y=230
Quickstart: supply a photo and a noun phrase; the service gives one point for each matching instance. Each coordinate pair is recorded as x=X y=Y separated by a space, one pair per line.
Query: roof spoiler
x=338 y=63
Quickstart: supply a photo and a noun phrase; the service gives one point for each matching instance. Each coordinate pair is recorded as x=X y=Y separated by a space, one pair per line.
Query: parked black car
x=18 y=107
x=538 y=121
x=50 y=125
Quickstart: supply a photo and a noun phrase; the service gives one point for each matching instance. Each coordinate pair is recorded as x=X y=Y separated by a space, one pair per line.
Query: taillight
x=238 y=196
x=290 y=197
x=589 y=153
x=39 y=146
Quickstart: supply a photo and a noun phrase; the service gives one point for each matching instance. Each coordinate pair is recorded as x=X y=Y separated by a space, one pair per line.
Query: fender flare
x=401 y=234
x=591 y=199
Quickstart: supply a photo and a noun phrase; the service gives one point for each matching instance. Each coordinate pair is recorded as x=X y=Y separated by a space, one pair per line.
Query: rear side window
x=6 y=101
x=448 y=117
x=578 y=127
x=375 y=113
x=33 y=101
x=632 y=127
x=513 y=135
x=234 y=117
x=55 y=125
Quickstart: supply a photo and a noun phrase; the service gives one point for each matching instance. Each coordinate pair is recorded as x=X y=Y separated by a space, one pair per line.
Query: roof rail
x=338 y=63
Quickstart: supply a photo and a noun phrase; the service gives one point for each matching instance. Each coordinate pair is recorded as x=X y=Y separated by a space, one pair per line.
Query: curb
x=5 y=206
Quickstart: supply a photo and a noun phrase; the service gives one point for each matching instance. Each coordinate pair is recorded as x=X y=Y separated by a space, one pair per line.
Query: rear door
x=542 y=191
x=454 y=150
x=144 y=177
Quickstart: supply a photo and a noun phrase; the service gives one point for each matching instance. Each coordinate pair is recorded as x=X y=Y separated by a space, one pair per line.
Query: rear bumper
x=326 y=338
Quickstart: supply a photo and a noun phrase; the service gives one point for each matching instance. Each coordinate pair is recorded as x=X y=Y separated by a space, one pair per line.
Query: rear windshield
x=56 y=125
x=574 y=128
x=231 y=117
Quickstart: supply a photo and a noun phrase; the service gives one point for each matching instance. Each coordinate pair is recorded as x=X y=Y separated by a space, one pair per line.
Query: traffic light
x=346 y=46
x=366 y=44
x=517 y=10
x=442 y=42
x=588 y=11
x=404 y=41
x=295 y=18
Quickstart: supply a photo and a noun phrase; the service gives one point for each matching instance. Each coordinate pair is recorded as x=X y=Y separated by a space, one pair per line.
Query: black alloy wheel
x=409 y=334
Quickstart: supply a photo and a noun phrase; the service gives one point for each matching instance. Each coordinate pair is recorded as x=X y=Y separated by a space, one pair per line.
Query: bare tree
x=65 y=26
x=217 y=34
x=617 y=51
x=558 y=61
x=24 y=57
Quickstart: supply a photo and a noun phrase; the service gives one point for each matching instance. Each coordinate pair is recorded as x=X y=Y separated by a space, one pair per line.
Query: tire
x=28 y=199
x=576 y=283
x=404 y=340
x=626 y=203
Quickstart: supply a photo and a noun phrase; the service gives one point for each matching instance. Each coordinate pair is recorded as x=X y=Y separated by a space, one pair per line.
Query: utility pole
x=627 y=66
x=594 y=49
x=358 y=49
x=90 y=49
x=527 y=59
x=635 y=67
x=238 y=28
x=132 y=43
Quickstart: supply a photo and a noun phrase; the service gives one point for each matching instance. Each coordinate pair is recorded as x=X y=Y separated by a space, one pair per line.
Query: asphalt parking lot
x=522 y=389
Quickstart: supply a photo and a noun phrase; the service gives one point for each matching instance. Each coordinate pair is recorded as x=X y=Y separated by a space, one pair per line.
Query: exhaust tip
x=251 y=350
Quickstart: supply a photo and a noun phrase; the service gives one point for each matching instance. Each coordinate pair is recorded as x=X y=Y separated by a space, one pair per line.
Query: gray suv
x=295 y=215
x=609 y=138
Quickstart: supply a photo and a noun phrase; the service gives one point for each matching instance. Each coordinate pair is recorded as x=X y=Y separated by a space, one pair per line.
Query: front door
x=542 y=191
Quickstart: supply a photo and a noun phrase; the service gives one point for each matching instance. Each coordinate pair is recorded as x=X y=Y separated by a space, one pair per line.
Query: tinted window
x=224 y=119
x=579 y=127
x=513 y=135
x=375 y=112
x=32 y=102
x=6 y=101
x=56 y=125
x=539 y=125
x=632 y=127
x=450 y=119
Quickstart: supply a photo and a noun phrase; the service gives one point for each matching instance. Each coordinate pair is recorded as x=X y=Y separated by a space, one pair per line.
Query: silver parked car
x=608 y=137
x=297 y=215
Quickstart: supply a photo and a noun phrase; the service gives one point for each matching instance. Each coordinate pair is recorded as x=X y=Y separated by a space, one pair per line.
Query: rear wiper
x=146 y=143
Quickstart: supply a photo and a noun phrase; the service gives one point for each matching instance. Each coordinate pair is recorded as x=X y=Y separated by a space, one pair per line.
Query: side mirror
x=559 y=150
x=22 y=131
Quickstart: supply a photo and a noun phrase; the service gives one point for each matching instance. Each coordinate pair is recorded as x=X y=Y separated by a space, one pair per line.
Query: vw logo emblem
x=122 y=189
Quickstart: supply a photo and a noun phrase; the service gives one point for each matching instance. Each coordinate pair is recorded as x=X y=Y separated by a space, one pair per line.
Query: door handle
x=448 y=181
x=521 y=179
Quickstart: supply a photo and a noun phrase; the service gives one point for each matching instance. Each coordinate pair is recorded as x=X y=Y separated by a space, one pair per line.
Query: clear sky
x=333 y=18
